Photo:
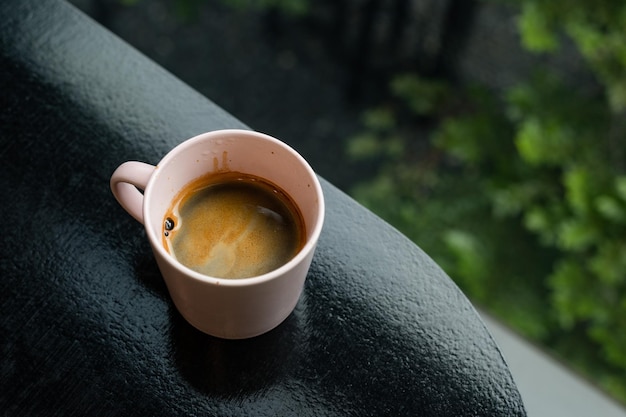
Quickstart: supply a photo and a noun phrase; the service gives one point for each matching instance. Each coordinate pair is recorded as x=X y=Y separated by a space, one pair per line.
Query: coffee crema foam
x=233 y=225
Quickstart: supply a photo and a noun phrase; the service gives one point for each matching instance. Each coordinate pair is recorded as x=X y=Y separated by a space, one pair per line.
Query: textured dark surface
x=86 y=325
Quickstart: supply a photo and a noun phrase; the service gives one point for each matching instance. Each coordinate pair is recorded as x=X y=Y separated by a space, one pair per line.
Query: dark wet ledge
x=86 y=325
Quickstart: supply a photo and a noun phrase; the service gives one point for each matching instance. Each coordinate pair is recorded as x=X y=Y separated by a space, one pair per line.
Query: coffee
x=233 y=225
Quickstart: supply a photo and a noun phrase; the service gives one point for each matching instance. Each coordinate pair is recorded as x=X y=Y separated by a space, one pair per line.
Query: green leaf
x=617 y=95
x=537 y=31
x=577 y=183
x=395 y=147
x=609 y=263
x=363 y=146
x=460 y=137
x=570 y=292
x=610 y=208
x=529 y=140
x=422 y=95
x=543 y=142
x=537 y=220
x=379 y=119
x=514 y=198
x=471 y=264
x=577 y=235
x=620 y=187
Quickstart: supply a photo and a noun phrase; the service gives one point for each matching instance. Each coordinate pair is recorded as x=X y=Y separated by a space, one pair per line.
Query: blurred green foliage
x=521 y=195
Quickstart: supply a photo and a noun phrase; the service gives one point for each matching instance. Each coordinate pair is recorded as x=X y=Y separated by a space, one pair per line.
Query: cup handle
x=126 y=181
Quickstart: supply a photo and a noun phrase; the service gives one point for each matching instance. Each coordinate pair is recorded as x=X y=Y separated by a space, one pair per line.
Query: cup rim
x=308 y=247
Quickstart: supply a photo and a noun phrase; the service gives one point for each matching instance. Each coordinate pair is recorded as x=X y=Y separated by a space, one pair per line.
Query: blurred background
x=492 y=133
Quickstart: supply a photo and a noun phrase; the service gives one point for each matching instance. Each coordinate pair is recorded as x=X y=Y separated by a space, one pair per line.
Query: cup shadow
x=220 y=367
x=229 y=368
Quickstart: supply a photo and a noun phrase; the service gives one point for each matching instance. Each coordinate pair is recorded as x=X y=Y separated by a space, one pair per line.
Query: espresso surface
x=233 y=225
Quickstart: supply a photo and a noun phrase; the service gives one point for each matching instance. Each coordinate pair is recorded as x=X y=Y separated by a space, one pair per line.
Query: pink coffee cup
x=226 y=308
